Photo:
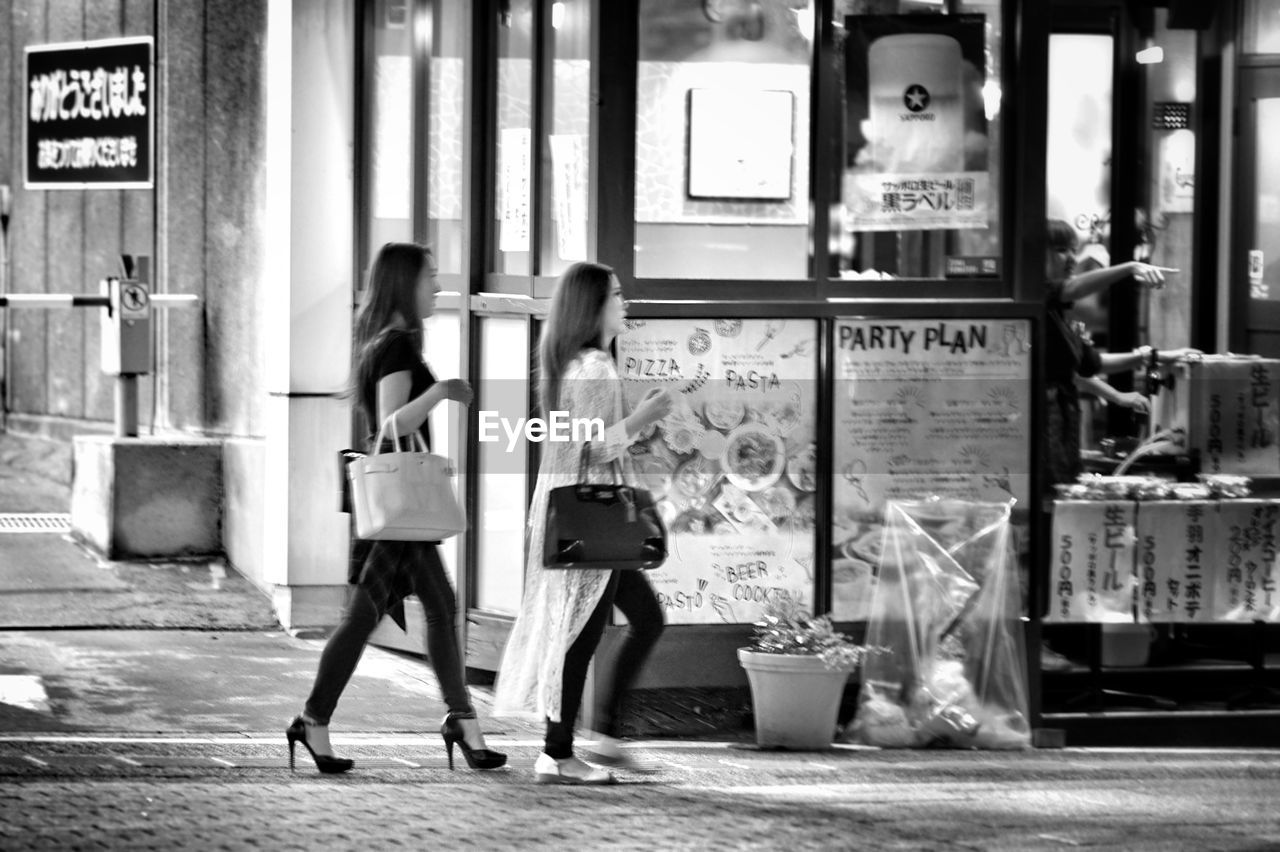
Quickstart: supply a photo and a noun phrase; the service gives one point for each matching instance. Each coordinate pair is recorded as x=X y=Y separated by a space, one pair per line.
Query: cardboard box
x=1091 y=577
x=1229 y=408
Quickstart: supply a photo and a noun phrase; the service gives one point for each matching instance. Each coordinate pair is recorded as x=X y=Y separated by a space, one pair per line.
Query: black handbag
x=608 y=526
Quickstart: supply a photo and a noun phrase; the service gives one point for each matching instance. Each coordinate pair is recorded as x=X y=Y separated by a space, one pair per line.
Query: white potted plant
x=797 y=666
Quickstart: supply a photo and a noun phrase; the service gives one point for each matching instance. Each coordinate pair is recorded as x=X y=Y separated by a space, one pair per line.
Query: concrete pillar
x=310 y=79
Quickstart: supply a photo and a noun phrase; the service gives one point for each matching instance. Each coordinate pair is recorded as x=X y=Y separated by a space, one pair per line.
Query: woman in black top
x=1070 y=359
x=393 y=382
x=1067 y=355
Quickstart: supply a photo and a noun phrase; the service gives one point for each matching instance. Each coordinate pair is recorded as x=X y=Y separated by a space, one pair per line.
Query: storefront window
x=446 y=111
x=1262 y=26
x=501 y=497
x=443 y=351
x=566 y=157
x=390 y=122
x=722 y=139
x=1165 y=232
x=920 y=173
x=1078 y=154
x=1264 y=272
x=513 y=160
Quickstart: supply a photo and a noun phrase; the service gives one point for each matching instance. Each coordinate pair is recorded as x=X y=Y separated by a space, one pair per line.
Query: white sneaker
x=608 y=751
x=569 y=770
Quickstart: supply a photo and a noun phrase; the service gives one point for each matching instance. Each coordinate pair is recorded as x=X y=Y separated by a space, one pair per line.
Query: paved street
x=237 y=793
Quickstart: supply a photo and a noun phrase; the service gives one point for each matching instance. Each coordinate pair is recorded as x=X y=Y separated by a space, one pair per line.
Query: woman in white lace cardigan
x=563 y=612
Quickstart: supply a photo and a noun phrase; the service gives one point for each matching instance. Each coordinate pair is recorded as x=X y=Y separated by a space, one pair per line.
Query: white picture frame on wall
x=741 y=144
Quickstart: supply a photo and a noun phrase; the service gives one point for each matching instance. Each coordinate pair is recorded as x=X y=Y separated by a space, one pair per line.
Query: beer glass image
x=916 y=103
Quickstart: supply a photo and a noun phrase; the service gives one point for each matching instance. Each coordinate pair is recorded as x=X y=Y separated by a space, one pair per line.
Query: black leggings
x=343 y=650
x=630 y=592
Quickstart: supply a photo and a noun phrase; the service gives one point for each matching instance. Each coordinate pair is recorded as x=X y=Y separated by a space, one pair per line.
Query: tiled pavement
x=237 y=793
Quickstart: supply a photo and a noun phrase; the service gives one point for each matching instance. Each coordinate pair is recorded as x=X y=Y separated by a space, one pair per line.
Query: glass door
x=1255 y=298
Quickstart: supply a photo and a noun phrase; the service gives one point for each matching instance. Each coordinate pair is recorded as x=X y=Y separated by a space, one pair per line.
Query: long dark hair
x=573 y=324
x=390 y=307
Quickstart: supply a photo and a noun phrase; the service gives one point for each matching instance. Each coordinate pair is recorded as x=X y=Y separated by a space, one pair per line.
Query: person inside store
x=563 y=612
x=392 y=384
x=1072 y=363
x=1118 y=362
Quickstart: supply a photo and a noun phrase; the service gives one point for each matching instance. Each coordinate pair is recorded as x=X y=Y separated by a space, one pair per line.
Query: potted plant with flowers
x=797 y=666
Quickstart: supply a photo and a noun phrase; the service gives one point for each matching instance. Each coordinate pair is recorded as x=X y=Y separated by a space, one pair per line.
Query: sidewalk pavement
x=35 y=474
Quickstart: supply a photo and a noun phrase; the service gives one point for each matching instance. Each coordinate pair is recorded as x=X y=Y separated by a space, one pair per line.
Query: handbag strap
x=584 y=462
x=420 y=445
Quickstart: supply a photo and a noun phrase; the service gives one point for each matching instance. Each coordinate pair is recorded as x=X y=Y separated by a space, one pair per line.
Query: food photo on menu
x=733 y=466
x=723 y=465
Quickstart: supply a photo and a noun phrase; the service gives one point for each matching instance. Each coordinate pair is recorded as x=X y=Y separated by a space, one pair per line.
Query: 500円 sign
x=89 y=119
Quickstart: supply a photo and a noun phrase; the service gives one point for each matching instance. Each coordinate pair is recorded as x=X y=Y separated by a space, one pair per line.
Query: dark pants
x=630 y=592
x=343 y=650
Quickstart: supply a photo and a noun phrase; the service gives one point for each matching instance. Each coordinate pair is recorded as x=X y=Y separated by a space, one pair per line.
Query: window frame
x=616 y=222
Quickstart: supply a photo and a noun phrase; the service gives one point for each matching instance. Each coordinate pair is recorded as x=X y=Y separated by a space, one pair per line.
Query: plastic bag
x=951 y=665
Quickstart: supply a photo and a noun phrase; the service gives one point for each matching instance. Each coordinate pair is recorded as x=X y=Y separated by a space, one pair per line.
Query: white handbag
x=403 y=496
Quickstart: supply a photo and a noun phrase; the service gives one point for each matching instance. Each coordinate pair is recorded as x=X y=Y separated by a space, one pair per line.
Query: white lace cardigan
x=557 y=602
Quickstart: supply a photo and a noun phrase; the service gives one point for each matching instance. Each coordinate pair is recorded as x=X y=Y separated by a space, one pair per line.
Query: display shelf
x=1207 y=667
x=1205 y=684
x=1203 y=728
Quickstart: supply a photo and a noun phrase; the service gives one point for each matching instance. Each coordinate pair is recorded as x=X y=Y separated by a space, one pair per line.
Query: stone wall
x=202 y=223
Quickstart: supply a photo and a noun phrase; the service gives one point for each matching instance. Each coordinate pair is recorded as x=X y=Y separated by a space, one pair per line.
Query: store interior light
x=1151 y=56
x=991 y=99
x=557 y=15
x=804 y=22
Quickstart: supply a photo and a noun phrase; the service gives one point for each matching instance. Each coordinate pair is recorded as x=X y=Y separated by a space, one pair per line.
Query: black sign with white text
x=89 y=115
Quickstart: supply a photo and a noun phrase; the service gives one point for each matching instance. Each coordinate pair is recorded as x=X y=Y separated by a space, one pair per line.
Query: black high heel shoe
x=477 y=758
x=326 y=763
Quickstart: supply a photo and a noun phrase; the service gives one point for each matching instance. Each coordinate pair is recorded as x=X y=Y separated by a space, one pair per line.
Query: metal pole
x=127 y=405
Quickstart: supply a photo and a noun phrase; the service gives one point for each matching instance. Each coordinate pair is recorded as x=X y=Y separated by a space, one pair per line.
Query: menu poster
x=922 y=408
x=1244 y=587
x=1178 y=543
x=513 y=188
x=1092 y=578
x=569 y=179
x=733 y=465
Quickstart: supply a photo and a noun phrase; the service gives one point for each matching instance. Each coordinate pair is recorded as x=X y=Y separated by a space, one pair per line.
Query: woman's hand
x=458 y=390
x=655 y=405
x=1151 y=277
x=1173 y=356
x=1134 y=401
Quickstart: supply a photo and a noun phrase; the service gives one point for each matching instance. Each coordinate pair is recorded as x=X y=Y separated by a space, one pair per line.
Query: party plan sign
x=922 y=408
x=89 y=116
x=733 y=465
